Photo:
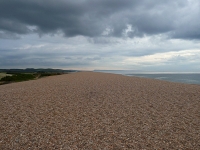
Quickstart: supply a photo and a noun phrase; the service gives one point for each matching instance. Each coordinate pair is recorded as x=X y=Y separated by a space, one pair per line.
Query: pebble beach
x=89 y=110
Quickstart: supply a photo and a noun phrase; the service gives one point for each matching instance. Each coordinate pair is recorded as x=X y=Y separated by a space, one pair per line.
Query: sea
x=188 y=78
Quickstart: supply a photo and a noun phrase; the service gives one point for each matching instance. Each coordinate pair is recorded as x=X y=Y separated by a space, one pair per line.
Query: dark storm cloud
x=93 y=17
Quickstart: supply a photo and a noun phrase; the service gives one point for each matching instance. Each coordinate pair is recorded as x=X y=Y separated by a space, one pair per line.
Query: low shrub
x=49 y=74
x=18 y=77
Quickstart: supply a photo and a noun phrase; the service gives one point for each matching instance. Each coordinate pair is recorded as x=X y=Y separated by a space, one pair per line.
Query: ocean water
x=189 y=78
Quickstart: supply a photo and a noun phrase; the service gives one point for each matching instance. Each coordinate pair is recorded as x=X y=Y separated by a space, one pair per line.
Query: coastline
x=166 y=80
x=183 y=77
x=99 y=110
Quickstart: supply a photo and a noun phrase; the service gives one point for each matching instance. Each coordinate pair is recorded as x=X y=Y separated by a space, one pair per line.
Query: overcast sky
x=145 y=35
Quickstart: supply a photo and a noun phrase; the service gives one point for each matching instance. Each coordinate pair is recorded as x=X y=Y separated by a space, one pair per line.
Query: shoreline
x=149 y=76
x=164 y=80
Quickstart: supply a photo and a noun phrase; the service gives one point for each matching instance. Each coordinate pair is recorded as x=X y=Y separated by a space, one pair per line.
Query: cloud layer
x=156 y=35
x=94 y=18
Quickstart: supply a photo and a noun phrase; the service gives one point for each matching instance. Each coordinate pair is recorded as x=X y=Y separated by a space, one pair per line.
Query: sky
x=140 y=35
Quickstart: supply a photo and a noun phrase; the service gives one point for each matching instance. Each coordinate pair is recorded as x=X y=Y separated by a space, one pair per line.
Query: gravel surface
x=90 y=110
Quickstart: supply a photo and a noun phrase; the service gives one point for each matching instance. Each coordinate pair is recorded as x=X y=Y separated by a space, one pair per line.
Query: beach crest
x=90 y=110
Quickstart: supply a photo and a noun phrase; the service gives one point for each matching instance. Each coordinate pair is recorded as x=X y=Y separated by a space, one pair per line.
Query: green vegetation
x=18 y=77
x=4 y=74
x=48 y=74
x=26 y=76
x=32 y=70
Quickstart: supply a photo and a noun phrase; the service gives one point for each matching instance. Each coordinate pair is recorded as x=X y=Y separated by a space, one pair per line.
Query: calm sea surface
x=189 y=78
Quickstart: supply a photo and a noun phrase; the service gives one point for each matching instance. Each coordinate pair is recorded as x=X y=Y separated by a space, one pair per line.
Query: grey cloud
x=13 y=26
x=102 y=40
x=23 y=62
x=177 y=59
x=69 y=58
x=92 y=58
x=92 y=17
x=10 y=58
x=84 y=58
x=9 y=35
